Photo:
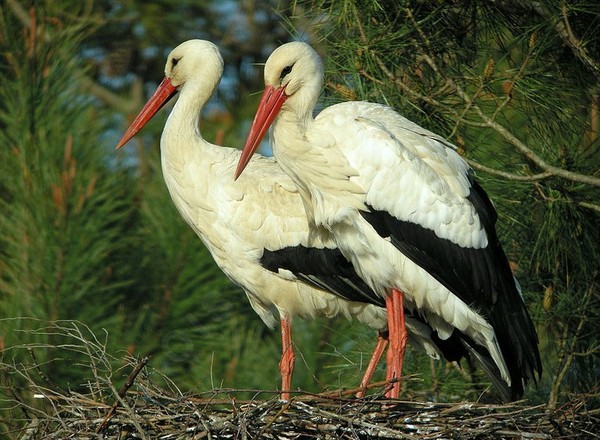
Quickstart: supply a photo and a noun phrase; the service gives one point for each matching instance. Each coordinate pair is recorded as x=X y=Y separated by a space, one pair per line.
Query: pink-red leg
x=382 y=342
x=286 y=365
x=398 y=336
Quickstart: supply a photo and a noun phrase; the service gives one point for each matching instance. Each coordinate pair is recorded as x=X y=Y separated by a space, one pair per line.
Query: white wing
x=407 y=171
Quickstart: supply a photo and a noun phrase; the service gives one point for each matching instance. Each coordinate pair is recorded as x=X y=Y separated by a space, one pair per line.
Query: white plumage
x=242 y=224
x=404 y=208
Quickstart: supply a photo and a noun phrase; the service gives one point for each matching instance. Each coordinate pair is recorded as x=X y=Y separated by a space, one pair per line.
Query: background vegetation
x=90 y=235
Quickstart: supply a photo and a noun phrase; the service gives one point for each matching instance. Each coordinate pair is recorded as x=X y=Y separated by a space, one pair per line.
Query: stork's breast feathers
x=269 y=216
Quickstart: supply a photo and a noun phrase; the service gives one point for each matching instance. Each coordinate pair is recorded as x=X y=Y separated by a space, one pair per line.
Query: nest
x=154 y=413
x=149 y=406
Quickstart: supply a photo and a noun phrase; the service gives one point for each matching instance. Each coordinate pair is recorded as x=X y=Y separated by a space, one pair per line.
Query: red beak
x=161 y=96
x=268 y=109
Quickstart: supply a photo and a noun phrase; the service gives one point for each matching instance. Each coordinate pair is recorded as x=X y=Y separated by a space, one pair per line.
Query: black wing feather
x=481 y=278
x=323 y=268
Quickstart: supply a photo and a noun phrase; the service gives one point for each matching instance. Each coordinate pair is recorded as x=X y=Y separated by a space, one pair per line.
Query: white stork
x=405 y=210
x=257 y=233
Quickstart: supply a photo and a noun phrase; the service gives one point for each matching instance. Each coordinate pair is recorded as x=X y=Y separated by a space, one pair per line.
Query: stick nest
x=153 y=413
x=144 y=409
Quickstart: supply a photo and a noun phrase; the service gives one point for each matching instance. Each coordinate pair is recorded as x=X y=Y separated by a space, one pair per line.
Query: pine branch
x=564 y=30
x=568 y=354
x=496 y=126
x=507 y=175
x=549 y=170
x=516 y=142
x=486 y=121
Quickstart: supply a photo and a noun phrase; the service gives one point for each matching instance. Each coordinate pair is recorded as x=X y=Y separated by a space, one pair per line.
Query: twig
x=126 y=105
x=123 y=390
x=589 y=206
x=31 y=430
x=377 y=429
x=568 y=354
x=507 y=175
x=353 y=391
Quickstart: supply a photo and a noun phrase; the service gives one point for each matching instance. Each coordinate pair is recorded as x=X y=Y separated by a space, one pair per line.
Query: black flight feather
x=481 y=278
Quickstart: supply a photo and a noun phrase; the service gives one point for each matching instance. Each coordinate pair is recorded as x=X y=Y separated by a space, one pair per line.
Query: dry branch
x=123 y=390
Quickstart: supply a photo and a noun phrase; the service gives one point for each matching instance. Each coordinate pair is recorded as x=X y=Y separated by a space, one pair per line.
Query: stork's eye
x=285 y=71
x=174 y=61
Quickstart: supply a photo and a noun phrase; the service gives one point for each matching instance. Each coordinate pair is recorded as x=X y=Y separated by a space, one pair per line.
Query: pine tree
x=64 y=207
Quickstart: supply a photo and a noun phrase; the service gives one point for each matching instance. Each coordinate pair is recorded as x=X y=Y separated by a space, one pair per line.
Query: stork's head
x=192 y=62
x=293 y=81
x=297 y=70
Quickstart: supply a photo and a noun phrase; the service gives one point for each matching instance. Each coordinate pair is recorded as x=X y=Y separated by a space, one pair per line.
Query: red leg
x=286 y=365
x=398 y=336
x=382 y=341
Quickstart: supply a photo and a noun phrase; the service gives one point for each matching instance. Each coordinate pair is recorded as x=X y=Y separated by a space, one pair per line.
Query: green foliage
x=63 y=211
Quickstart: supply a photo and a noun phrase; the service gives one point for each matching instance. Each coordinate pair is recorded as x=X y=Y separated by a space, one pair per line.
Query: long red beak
x=270 y=104
x=161 y=96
